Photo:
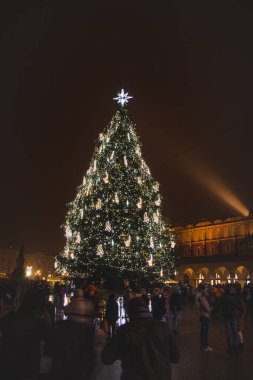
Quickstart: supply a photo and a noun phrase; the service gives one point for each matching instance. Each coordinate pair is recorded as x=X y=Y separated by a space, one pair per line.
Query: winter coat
x=111 y=312
x=72 y=350
x=22 y=336
x=146 y=347
x=229 y=306
x=204 y=307
x=158 y=307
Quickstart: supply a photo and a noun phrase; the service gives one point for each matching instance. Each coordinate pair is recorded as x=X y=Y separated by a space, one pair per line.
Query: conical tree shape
x=115 y=221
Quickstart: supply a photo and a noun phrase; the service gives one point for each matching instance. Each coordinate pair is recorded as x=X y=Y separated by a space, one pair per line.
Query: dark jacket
x=229 y=306
x=111 y=312
x=146 y=347
x=22 y=335
x=72 y=350
x=158 y=307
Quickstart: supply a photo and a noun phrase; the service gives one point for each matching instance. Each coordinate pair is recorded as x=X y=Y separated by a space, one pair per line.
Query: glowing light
x=84 y=181
x=150 y=261
x=78 y=238
x=125 y=161
x=112 y=155
x=156 y=187
x=152 y=242
x=139 y=203
x=161 y=272
x=28 y=271
x=98 y=204
x=100 y=251
x=108 y=227
x=81 y=213
x=173 y=243
x=146 y=218
x=116 y=198
x=106 y=178
x=95 y=166
x=128 y=241
x=122 y=98
x=158 y=201
x=68 y=232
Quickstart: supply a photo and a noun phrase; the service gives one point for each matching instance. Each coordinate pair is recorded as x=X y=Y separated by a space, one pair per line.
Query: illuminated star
x=122 y=98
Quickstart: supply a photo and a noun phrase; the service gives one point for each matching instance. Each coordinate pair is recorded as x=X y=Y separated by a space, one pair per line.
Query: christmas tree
x=115 y=225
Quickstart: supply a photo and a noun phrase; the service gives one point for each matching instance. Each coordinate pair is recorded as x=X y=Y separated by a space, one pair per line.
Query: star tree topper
x=122 y=98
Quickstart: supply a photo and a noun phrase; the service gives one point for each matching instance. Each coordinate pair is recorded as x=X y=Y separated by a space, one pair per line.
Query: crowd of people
x=36 y=345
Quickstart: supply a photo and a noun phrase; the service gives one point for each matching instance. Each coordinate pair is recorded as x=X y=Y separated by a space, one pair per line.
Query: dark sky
x=189 y=66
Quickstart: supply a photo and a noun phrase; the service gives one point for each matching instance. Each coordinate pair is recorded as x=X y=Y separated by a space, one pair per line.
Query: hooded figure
x=73 y=341
x=145 y=346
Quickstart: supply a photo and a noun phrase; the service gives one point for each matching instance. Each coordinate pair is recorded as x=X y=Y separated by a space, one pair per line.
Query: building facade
x=37 y=264
x=215 y=252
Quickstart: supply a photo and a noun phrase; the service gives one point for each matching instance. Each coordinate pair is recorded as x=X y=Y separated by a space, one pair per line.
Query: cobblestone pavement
x=195 y=364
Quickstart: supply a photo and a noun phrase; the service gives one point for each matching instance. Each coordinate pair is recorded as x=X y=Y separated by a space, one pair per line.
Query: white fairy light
x=112 y=155
x=81 y=213
x=127 y=203
x=122 y=98
x=128 y=136
x=151 y=242
x=84 y=180
x=125 y=161
x=173 y=243
x=139 y=203
x=161 y=272
x=112 y=243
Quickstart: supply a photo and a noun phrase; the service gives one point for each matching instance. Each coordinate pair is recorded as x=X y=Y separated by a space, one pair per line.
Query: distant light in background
x=215 y=185
x=225 y=194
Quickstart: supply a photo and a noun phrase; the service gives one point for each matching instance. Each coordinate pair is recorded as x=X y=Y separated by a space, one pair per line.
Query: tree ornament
x=128 y=241
x=112 y=155
x=151 y=242
x=81 y=213
x=146 y=218
x=106 y=178
x=128 y=136
x=158 y=201
x=68 y=232
x=108 y=227
x=156 y=187
x=100 y=148
x=156 y=218
x=116 y=198
x=138 y=151
x=78 y=238
x=161 y=272
x=71 y=255
x=122 y=98
x=125 y=161
x=84 y=180
x=95 y=166
x=98 y=204
x=107 y=139
x=100 y=251
x=101 y=137
x=150 y=261
x=139 y=203
x=139 y=181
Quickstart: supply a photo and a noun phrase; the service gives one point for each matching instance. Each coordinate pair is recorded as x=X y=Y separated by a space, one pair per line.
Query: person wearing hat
x=73 y=341
x=145 y=346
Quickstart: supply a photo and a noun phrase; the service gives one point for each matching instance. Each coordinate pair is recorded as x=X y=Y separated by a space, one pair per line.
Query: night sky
x=189 y=67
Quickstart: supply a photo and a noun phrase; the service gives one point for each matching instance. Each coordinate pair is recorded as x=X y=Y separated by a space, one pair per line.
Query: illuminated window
x=217 y=278
x=201 y=278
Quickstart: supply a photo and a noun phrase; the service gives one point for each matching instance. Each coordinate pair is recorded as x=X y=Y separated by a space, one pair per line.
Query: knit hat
x=138 y=309
x=79 y=309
